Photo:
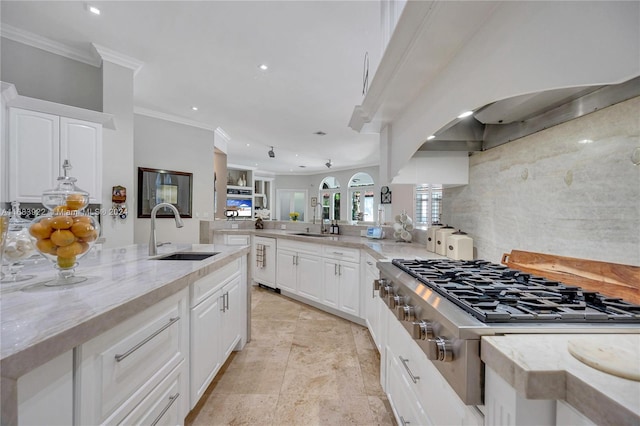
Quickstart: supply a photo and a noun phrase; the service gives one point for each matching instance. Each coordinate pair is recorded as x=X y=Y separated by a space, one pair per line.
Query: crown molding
x=105 y=54
x=48 y=45
x=173 y=118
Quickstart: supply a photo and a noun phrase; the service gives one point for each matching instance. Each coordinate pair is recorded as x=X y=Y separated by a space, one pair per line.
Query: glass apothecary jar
x=67 y=232
x=19 y=246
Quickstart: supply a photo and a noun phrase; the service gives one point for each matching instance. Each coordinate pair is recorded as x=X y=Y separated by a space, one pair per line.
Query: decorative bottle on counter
x=337 y=229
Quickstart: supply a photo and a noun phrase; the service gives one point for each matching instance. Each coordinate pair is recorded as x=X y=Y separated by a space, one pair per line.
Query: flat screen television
x=242 y=205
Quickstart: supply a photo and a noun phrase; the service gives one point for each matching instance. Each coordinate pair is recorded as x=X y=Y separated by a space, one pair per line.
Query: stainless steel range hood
x=510 y=119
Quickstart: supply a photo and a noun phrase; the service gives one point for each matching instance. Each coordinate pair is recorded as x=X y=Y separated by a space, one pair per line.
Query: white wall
x=161 y=144
x=551 y=192
x=117 y=151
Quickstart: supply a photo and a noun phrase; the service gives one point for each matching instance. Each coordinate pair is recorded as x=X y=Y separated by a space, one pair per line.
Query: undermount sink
x=187 y=256
x=310 y=234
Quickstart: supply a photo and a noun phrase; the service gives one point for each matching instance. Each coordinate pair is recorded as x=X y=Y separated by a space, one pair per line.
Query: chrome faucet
x=153 y=248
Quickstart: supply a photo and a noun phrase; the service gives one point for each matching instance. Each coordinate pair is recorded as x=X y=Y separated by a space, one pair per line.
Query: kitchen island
x=40 y=323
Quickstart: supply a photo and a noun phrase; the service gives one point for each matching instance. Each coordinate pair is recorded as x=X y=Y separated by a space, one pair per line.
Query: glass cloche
x=67 y=232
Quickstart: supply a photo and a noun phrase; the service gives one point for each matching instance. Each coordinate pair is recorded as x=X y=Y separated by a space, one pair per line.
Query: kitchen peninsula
x=126 y=293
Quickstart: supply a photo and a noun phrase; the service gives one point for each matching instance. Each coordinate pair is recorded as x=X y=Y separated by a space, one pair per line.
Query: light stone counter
x=39 y=323
x=383 y=249
x=541 y=367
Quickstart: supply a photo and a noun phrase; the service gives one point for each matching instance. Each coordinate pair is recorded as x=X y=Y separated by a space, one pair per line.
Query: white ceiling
x=207 y=53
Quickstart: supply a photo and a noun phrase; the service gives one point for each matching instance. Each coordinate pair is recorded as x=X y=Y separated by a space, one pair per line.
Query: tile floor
x=302 y=367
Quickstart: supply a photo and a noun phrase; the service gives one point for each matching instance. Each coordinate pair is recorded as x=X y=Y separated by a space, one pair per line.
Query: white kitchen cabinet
x=299 y=269
x=264 y=261
x=371 y=298
x=38 y=145
x=341 y=287
x=504 y=406
x=420 y=383
x=218 y=324
x=567 y=415
x=206 y=335
x=45 y=394
x=119 y=369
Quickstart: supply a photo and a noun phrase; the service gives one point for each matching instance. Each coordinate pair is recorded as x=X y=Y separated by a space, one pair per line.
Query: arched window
x=330 y=198
x=361 y=198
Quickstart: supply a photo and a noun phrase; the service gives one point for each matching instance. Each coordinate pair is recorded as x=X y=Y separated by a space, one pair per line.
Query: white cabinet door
x=81 y=144
x=34 y=154
x=231 y=321
x=309 y=276
x=264 y=264
x=349 y=275
x=371 y=298
x=38 y=145
x=286 y=271
x=206 y=338
x=331 y=288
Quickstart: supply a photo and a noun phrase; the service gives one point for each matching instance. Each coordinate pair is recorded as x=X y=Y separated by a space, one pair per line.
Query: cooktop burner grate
x=495 y=293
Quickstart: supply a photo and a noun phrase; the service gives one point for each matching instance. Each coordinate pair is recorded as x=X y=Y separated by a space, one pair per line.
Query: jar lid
x=66 y=196
x=459 y=232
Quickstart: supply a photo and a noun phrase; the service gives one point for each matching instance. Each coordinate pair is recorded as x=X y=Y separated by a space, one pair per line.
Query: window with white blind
x=428 y=204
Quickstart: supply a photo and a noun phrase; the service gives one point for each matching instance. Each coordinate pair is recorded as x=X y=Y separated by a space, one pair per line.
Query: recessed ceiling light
x=248 y=144
x=431 y=137
x=296 y=155
x=93 y=10
x=263 y=67
x=465 y=114
x=319 y=133
x=194 y=108
x=303 y=167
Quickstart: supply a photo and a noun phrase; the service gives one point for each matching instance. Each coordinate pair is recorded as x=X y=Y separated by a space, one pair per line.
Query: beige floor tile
x=238 y=409
x=302 y=367
x=320 y=410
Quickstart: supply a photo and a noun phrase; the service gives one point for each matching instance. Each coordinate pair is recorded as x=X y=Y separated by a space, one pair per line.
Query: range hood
x=513 y=118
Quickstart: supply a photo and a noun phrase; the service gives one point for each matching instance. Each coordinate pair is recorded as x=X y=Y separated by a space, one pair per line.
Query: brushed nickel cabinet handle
x=172 y=399
x=120 y=357
x=406 y=367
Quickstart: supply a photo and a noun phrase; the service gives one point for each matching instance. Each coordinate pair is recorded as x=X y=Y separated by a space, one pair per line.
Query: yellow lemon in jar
x=70 y=251
x=46 y=246
x=84 y=219
x=66 y=262
x=40 y=230
x=62 y=237
x=90 y=237
x=58 y=210
x=75 y=201
x=82 y=229
x=61 y=222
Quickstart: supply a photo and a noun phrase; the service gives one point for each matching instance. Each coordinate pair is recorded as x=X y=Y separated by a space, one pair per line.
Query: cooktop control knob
x=394 y=300
x=422 y=330
x=405 y=313
x=440 y=349
x=386 y=290
x=379 y=283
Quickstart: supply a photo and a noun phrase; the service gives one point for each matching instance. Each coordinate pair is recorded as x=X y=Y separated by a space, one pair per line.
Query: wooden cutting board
x=617 y=355
x=611 y=279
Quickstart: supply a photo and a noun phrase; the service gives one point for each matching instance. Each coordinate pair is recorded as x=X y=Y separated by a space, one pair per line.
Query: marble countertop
x=39 y=322
x=380 y=249
x=541 y=367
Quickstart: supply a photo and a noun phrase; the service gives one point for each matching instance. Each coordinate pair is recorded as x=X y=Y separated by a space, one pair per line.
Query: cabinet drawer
x=161 y=406
x=120 y=367
x=299 y=247
x=205 y=286
x=237 y=240
x=341 y=253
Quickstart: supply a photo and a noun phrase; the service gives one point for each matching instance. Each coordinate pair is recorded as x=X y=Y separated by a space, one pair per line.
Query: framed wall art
x=157 y=186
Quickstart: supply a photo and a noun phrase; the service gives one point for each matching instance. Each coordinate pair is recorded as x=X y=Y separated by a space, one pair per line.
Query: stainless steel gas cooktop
x=494 y=293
